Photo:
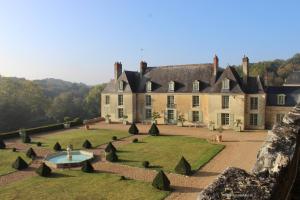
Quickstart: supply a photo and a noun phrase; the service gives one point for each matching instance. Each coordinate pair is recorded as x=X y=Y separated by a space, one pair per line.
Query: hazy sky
x=80 y=40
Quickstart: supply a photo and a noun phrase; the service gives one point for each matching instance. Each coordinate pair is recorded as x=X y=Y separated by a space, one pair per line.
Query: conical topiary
x=2 y=144
x=30 y=153
x=43 y=170
x=87 y=144
x=87 y=167
x=153 y=130
x=19 y=164
x=133 y=129
x=112 y=156
x=161 y=181
x=110 y=148
x=183 y=167
x=57 y=147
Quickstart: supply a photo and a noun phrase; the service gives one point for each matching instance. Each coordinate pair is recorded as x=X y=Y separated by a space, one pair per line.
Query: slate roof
x=292 y=95
x=293 y=78
x=184 y=76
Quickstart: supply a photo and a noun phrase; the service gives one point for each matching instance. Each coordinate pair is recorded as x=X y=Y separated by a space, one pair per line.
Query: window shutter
x=231 y=118
x=259 y=120
x=117 y=116
x=219 y=119
x=200 y=116
x=190 y=117
x=166 y=116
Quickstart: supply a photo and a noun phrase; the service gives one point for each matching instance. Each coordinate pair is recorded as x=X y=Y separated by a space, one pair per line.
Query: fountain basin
x=60 y=159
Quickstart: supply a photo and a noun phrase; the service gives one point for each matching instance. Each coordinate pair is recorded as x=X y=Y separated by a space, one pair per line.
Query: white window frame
x=170 y=100
x=107 y=99
x=147 y=115
x=195 y=101
x=253 y=103
x=226 y=84
x=149 y=86
x=120 y=100
x=148 y=100
x=120 y=113
x=195 y=116
x=225 y=102
x=121 y=86
x=171 y=86
x=196 y=86
x=281 y=99
x=225 y=119
x=253 y=119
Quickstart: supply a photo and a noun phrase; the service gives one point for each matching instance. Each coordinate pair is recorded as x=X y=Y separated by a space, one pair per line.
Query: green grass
x=71 y=184
x=164 y=152
x=7 y=157
x=76 y=137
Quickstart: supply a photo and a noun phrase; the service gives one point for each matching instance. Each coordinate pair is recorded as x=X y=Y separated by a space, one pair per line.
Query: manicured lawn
x=76 y=137
x=7 y=157
x=78 y=185
x=164 y=152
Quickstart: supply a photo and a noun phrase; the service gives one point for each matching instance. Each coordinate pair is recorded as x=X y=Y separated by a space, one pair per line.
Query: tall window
x=253 y=103
x=148 y=100
x=170 y=101
x=225 y=84
x=225 y=118
x=149 y=86
x=195 y=101
x=225 y=102
x=279 y=117
x=281 y=99
x=107 y=99
x=148 y=113
x=195 y=116
x=253 y=119
x=120 y=99
x=121 y=85
x=120 y=113
x=196 y=86
x=171 y=86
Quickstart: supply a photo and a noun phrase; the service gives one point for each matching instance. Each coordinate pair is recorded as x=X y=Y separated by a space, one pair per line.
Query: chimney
x=215 y=65
x=118 y=70
x=143 y=67
x=245 y=69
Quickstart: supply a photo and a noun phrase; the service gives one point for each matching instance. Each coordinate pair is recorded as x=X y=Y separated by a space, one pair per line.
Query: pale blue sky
x=80 y=40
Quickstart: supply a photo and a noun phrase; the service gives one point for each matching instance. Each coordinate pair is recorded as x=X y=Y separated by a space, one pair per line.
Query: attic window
x=121 y=86
x=281 y=99
x=225 y=84
x=149 y=86
x=196 y=86
x=171 y=86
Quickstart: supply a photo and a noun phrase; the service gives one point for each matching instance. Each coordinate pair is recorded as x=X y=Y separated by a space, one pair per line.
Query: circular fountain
x=69 y=158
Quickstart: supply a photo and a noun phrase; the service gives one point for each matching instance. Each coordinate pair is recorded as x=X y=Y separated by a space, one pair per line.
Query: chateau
x=201 y=93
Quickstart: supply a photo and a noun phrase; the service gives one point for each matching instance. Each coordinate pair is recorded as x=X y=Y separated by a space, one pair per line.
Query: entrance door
x=171 y=117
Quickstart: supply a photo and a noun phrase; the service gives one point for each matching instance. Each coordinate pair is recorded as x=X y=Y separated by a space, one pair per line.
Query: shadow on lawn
x=58 y=175
x=204 y=173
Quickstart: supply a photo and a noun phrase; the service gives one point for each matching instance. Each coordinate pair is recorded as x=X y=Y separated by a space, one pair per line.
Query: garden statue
x=69 y=152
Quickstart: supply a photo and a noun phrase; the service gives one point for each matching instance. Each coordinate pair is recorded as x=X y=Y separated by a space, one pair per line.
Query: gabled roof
x=292 y=94
x=293 y=79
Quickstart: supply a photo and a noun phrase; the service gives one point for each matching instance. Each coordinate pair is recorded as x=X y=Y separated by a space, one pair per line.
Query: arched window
x=149 y=86
x=171 y=86
x=196 y=86
x=226 y=84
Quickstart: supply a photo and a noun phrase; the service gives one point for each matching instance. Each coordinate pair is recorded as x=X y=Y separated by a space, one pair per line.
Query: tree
x=153 y=130
x=30 y=153
x=87 y=167
x=161 y=181
x=43 y=170
x=19 y=164
x=2 y=144
x=87 y=144
x=133 y=129
x=183 y=167
x=110 y=148
x=92 y=101
x=57 y=147
x=112 y=156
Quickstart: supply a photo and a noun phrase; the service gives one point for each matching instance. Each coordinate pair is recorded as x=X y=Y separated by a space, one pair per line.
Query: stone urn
x=67 y=125
x=87 y=127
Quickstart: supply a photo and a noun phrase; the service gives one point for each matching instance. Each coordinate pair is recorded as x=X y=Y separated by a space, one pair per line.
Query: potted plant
x=181 y=119
x=211 y=125
x=219 y=136
x=125 y=117
x=237 y=125
x=67 y=122
x=107 y=119
x=155 y=116
x=86 y=124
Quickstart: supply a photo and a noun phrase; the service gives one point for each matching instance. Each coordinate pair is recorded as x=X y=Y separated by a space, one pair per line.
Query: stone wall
x=274 y=175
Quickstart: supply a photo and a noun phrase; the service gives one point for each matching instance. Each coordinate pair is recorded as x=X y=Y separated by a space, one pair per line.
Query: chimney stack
x=118 y=70
x=215 y=65
x=245 y=69
x=143 y=67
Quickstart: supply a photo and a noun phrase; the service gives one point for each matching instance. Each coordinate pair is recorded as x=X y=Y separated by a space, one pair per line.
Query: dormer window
x=281 y=99
x=225 y=84
x=121 y=85
x=196 y=86
x=149 y=86
x=171 y=86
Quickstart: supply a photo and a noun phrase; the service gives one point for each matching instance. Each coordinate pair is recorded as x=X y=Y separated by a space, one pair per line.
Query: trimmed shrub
x=110 y=148
x=2 y=144
x=153 y=130
x=25 y=137
x=87 y=144
x=14 y=149
x=30 y=153
x=135 y=140
x=57 y=147
x=183 y=167
x=114 y=138
x=43 y=170
x=161 y=181
x=87 y=167
x=19 y=164
x=146 y=164
x=133 y=129
x=39 y=144
x=122 y=178
x=112 y=157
